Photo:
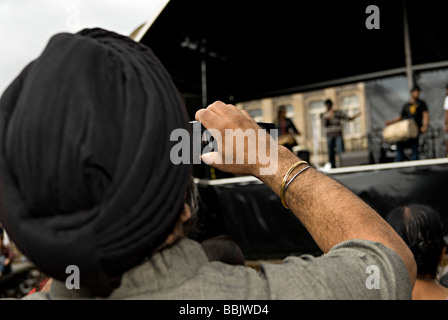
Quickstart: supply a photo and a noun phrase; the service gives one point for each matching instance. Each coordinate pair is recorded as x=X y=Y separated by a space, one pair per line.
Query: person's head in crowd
x=223 y=248
x=415 y=92
x=421 y=228
x=329 y=104
x=86 y=177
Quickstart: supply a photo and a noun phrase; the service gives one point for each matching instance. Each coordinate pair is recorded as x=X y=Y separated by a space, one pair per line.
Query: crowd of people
x=87 y=181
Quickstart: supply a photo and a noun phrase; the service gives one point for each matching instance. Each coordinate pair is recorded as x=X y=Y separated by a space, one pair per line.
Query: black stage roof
x=257 y=49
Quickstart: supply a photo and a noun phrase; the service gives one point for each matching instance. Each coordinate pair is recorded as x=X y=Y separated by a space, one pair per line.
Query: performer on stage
x=414 y=109
x=286 y=129
x=332 y=122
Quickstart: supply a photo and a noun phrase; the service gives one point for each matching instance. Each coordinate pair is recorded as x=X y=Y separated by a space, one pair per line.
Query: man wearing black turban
x=86 y=180
x=85 y=163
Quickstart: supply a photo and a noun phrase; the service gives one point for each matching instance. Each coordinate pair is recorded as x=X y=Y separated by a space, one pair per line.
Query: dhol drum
x=400 y=131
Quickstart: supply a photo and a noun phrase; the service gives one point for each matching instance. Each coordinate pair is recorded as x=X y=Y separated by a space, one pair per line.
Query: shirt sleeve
x=445 y=104
x=323 y=120
x=354 y=269
x=345 y=116
x=292 y=126
x=404 y=112
x=424 y=106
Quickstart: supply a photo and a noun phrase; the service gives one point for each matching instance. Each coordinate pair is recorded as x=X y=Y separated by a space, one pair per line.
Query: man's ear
x=186 y=213
x=178 y=229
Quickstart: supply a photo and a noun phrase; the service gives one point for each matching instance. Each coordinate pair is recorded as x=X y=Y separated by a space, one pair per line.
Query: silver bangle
x=297 y=174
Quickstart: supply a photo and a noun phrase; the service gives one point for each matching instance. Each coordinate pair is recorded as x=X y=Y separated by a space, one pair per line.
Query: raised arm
x=425 y=124
x=389 y=122
x=355 y=116
x=330 y=212
x=445 y=122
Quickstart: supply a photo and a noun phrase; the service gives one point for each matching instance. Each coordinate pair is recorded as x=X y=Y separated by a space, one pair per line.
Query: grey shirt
x=333 y=125
x=182 y=271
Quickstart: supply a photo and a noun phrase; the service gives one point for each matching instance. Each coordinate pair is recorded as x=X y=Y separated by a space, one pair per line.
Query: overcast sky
x=27 y=25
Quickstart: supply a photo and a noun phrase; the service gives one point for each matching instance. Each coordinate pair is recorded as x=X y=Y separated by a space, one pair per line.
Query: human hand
x=244 y=148
x=424 y=129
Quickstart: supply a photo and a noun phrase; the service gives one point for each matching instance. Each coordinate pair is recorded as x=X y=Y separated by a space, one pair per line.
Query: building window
x=350 y=105
x=290 y=111
x=316 y=108
x=256 y=114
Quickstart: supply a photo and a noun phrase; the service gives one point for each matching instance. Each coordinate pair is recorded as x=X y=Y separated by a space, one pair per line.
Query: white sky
x=27 y=25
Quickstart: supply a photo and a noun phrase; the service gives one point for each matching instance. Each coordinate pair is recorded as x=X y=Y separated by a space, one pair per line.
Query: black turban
x=85 y=170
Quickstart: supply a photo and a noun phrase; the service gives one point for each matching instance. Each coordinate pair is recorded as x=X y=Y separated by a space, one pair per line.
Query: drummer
x=417 y=110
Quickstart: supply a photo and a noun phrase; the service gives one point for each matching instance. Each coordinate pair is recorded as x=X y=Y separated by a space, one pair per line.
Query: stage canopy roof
x=257 y=49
